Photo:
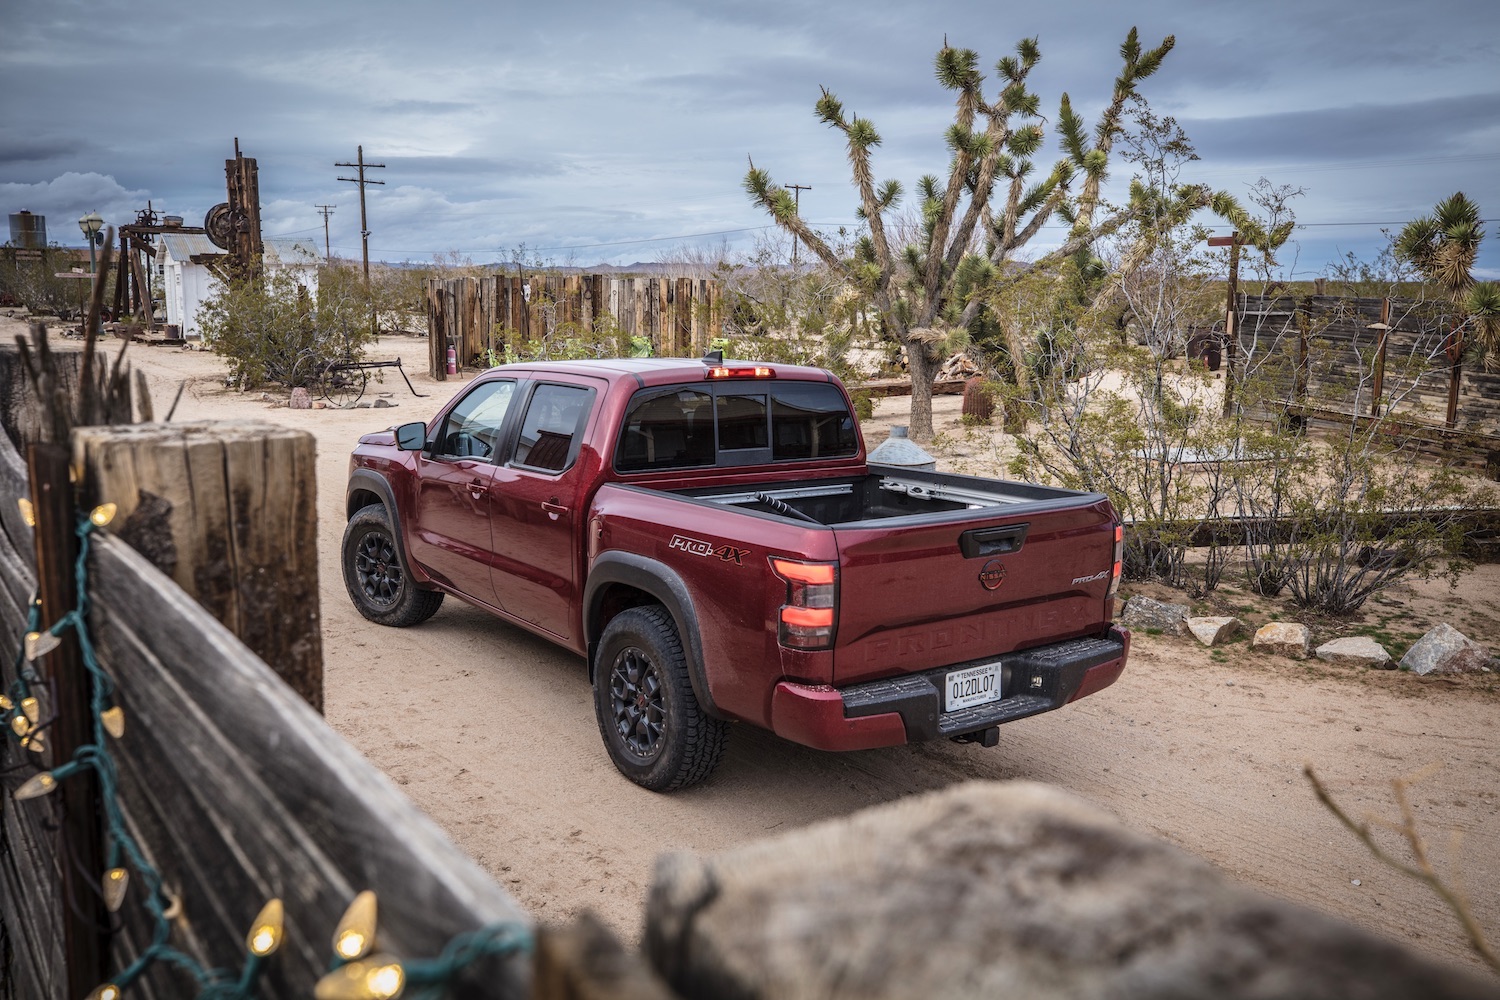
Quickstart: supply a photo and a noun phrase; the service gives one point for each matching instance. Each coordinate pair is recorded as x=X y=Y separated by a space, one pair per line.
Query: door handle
x=553 y=507
x=476 y=488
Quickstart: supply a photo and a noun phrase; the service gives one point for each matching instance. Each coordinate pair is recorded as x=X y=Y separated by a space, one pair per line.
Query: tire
x=652 y=725
x=374 y=577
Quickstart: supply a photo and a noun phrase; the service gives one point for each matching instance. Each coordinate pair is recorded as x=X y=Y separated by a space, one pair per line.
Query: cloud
x=66 y=198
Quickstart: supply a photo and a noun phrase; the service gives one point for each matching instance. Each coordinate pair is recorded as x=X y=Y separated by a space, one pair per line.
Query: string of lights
x=357 y=971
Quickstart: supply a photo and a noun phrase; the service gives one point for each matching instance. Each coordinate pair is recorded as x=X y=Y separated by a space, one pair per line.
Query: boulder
x=1012 y=889
x=1446 y=650
x=1213 y=631
x=1143 y=612
x=1285 y=639
x=1356 y=651
x=301 y=400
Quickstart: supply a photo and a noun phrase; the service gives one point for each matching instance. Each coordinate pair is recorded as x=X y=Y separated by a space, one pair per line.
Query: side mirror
x=412 y=436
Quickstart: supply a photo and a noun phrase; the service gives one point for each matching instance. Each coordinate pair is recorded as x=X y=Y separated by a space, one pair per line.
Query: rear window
x=734 y=424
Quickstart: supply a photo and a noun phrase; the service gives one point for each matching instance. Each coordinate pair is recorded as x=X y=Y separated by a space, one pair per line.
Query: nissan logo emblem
x=993 y=575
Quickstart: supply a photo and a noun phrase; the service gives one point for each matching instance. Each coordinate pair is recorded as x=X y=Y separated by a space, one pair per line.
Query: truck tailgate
x=977 y=584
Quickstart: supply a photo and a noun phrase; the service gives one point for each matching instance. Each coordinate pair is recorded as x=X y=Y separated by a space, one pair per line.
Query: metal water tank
x=27 y=230
x=902 y=452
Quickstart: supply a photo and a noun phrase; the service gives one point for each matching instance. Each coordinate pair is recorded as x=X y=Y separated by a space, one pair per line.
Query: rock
x=266 y=397
x=1213 y=631
x=380 y=403
x=1284 y=639
x=1356 y=651
x=301 y=400
x=318 y=404
x=1143 y=612
x=997 y=890
x=1446 y=650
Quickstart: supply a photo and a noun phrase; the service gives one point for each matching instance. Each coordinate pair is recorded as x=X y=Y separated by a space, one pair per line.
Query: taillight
x=1119 y=566
x=810 y=613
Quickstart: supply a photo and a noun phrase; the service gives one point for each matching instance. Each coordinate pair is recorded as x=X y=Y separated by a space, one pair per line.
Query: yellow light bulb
x=114 y=884
x=355 y=934
x=108 y=991
x=103 y=514
x=379 y=977
x=33 y=710
x=39 y=644
x=35 y=786
x=20 y=725
x=6 y=704
x=114 y=721
x=28 y=512
x=34 y=743
x=265 y=933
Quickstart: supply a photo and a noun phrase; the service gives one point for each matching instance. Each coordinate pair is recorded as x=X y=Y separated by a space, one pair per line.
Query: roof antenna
x=713 y=357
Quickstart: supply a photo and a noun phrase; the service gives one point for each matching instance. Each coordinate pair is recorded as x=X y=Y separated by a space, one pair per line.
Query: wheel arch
x=619 y=581
x=367 y=488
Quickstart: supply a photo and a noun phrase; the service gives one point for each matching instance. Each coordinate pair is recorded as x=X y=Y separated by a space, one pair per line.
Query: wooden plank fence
x=236 y=790
x=1327 y=359
x=479 y=317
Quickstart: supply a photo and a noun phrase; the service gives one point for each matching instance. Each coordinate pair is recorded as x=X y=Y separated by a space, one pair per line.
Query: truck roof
x=661 y=371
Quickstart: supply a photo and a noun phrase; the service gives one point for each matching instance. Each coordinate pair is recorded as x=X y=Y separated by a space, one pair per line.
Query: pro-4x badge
x=697 y=547
x=992 y=575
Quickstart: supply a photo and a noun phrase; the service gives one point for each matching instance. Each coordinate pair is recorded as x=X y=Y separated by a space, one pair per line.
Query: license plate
x=973 y=686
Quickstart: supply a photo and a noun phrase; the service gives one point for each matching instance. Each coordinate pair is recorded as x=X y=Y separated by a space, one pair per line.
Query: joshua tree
x=929 y=288
x=1443 y=247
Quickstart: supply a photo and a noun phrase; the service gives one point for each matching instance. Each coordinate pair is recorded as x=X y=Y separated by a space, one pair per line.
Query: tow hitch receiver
x=985 y=737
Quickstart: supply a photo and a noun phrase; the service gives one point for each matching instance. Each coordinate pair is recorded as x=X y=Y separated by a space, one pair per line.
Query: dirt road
x=492 y=732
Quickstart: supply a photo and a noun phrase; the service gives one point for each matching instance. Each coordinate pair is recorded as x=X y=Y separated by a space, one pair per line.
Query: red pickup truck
x=710 y=536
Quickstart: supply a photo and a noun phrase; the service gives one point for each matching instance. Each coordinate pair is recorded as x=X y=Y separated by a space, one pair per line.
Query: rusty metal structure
x=234 y=225
x=132 y=275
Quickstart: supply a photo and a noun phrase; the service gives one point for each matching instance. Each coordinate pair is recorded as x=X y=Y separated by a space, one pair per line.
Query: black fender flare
x=663 y=584
x=367 y=481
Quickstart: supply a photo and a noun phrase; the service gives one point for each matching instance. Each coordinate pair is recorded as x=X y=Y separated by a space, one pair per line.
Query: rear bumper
x=908 y=709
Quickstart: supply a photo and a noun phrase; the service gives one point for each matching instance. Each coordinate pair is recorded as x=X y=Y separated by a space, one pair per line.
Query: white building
x=187 y=280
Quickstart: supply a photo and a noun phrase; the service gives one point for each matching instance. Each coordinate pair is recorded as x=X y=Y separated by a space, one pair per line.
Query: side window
x=811 y=420
x=473 y=427
x=552 y=426
x=671 y=429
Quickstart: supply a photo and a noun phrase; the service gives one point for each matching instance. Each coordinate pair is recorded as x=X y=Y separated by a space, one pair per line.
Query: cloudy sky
x=616 y=132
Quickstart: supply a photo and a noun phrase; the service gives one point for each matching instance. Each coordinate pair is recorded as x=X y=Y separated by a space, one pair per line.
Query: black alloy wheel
x=378 y=568
x=636 y=703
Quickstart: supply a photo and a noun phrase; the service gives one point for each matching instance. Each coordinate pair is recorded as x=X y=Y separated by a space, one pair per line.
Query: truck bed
x=885 y=492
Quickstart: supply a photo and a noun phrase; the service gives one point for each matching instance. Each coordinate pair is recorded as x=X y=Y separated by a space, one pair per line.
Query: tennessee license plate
x=972 y=686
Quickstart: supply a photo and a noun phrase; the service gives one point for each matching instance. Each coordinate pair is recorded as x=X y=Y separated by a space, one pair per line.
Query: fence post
x=228 y=510
x=83 y=916
x=1385 y=330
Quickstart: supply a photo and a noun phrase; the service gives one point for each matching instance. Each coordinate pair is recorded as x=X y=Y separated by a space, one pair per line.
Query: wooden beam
x=228 y=510
x=82 y=850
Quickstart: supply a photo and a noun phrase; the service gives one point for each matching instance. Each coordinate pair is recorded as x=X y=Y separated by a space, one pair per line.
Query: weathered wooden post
x=84 y=943
x=228 y=511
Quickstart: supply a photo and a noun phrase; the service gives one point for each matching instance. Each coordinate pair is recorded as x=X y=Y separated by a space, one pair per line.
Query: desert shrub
x=274 y=330
x=29 y=277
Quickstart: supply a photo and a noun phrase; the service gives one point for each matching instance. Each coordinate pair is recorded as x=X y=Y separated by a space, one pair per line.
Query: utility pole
x=326 y=211
x=364 y=225
x=797 y=190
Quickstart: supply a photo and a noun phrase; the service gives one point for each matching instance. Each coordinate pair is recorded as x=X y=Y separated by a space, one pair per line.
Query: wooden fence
x=236 y=790
x=1328 y=359
x=478 y=317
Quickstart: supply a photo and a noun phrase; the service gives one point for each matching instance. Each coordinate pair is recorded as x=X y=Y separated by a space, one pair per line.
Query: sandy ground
x=492 y=732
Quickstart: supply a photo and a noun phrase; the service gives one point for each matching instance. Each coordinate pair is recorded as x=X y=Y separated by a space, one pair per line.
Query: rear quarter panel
x=723 y=559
